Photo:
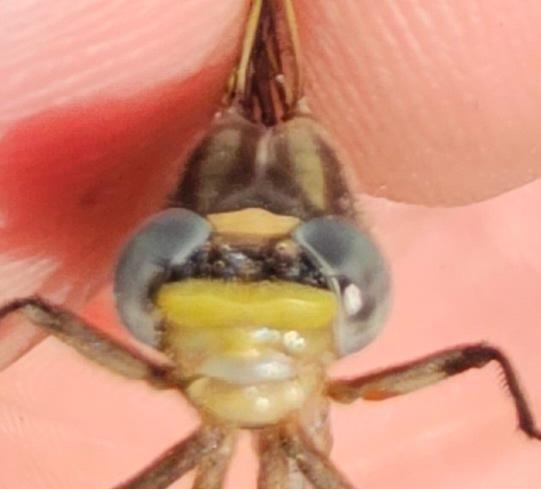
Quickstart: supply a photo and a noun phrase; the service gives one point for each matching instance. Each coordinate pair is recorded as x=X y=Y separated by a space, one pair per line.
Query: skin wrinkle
x=439 y=108
x=133 y=43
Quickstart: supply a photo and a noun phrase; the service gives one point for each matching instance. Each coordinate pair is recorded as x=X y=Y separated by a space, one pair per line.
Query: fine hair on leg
x=212 y=469
x=276 y=469
x=314 y=464
x=178 y=460
x=89 y=342
x=408 y=377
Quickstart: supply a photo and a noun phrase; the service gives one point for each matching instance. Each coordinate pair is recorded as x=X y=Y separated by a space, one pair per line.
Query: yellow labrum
x=199 y=303
x=252 y=223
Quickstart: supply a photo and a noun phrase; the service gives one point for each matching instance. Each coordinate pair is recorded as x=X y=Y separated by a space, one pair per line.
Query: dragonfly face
x=261 y=279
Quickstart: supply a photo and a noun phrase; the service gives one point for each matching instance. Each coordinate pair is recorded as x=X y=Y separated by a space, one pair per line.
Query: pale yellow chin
x=251 y=406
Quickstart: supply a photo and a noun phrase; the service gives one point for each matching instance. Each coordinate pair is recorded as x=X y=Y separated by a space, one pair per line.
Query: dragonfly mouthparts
x=250 y=368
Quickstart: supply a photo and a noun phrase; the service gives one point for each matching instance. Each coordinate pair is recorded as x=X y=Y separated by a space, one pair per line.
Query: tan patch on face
x=252 y=225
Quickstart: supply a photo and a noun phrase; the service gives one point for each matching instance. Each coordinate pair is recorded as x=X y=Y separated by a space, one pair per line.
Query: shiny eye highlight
x=165 y=242
x=356 y=271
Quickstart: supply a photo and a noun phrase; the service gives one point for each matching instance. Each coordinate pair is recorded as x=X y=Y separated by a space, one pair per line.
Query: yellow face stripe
x=200 y=303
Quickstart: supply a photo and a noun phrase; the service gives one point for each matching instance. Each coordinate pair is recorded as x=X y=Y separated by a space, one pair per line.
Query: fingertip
x=63 y=51
x=432 y=103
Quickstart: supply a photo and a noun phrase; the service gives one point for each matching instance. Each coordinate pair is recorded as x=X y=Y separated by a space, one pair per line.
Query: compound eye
x=165 y=242
x=356 y=271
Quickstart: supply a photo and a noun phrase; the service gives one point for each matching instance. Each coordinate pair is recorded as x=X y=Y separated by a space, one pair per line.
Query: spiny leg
x=297 y=91
x=88 y=341
x=178 y=460
x=212 y=468
x=414 y=375
x=276 y=470
x=265 y=50
x=238 y=83
x=315 y=465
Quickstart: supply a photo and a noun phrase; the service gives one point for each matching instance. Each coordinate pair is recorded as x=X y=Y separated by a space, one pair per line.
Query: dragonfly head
x=260 y=278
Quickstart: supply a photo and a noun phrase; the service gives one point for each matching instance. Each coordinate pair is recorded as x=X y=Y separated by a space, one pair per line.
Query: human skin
x=430 y=103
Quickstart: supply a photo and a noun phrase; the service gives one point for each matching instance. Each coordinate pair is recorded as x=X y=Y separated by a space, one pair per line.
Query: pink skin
x=432 y=103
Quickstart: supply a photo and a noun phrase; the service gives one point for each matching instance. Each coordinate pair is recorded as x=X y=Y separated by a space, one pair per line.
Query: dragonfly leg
x=313 y=463
x=423 y=372
x=178 y=460
x=88 y=341
x=276 y=469
x=212 y=468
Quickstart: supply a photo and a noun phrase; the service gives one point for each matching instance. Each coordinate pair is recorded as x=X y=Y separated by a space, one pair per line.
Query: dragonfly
x=257 y=276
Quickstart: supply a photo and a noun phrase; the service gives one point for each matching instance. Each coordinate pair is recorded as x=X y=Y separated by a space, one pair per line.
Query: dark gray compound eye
x=356 y=271
x=165 y=242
